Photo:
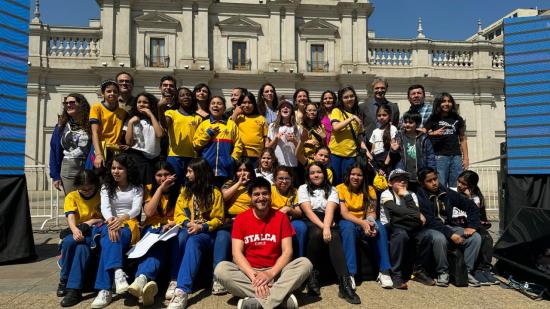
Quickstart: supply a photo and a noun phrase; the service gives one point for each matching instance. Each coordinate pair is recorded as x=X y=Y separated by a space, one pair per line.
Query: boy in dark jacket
x=415 y=152
x=403 y=220
x=437 y=204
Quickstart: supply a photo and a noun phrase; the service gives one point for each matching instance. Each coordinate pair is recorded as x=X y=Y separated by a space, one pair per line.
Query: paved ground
x=33 y=285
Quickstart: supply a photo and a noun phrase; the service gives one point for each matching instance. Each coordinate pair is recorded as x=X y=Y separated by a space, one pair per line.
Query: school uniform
x=220 y=150
x=180 y=137
x=343 y=146
x=126 y=202
x=211 y=217
x=253 y=132
x=76 y=256
x=350 y=231
x=279 y=201
x=110 y=121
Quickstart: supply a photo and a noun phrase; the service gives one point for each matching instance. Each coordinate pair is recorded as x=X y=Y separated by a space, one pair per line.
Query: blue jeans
x=75 y=258
x=112 y=255
x=195 y=247
x=351 y=231
x=448 y=168
x=158 y=255
x=300 y=238
x=222 y=247
x=339 y=167
x=180 y=166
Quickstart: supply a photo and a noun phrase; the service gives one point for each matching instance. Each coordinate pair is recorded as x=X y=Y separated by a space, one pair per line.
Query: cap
x=399 y=173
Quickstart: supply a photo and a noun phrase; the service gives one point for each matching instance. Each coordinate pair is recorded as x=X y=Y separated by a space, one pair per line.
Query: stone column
x=202 y=35
x=274 y=38
x=107 y=53
x=123 y=33
x=185 y=37
x=289 y=38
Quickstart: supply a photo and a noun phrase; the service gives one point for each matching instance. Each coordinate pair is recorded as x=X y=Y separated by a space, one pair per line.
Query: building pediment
x=318 y=27
x=156 y=20
x=239 y=24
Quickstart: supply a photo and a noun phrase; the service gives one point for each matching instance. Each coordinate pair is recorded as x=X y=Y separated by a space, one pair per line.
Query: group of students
x=185 y=160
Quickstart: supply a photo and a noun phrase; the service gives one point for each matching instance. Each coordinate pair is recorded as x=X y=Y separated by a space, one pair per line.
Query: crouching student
x=437 y=203
x=319 y=202
x=403 y=219
x=285 y=199
x=263 y=273
x=358 y=209
x=121 y=199
x=160 y=200
x=200 y=212
x=83 y=214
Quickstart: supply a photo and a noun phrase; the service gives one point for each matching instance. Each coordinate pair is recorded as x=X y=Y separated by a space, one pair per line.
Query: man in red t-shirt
x=263 y=274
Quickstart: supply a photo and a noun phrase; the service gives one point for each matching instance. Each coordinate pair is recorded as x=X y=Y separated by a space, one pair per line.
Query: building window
x=498 y=32
x=158 y=58
x=317 y=62
x=239 y=60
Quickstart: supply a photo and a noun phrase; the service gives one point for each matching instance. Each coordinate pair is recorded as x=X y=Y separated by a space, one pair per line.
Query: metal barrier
x=43 y=197
x=489 y=183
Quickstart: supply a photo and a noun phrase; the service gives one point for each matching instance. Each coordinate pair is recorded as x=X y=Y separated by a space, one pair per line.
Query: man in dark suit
x=369 y=107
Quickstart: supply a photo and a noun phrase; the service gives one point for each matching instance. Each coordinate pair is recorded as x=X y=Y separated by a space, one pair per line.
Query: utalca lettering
x=260 y=238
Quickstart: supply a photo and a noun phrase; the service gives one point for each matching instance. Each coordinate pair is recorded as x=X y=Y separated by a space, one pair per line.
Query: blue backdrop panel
x=14 y=42
x=527 y=88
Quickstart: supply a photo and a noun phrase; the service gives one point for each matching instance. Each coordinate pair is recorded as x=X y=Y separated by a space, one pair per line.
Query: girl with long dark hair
x=347 y=133
x=447 y=131
x=300 y=98
x=319 y=202
x=267 y=164
x=268 y=102
x=359 y=220
x=383 y=139
x=201 y=98
x=200 y=212
x=70 y=142
x=252 y=127
x=159 y=203
x=284 y=135
x=328 y=102
x=316 y=133
x=121 y=200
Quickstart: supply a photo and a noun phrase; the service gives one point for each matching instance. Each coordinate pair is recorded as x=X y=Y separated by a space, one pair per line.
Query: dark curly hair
x=84 y=122
x=193 y=107
x=203 y=105
x=153 y=103
x=131 y=171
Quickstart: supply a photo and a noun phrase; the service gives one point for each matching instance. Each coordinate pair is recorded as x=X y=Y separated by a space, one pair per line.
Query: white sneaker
x=149 y=292
x=218 y=288
x=121 y=285
x=179 y=301
x=170 y=291
x=291 y=302
x=352 y=280
x=103 y=298
x=248 y=303
x=136 y=288
x=385 y=281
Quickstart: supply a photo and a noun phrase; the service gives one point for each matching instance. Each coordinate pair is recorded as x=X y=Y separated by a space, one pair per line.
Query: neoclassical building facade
x=316 y=45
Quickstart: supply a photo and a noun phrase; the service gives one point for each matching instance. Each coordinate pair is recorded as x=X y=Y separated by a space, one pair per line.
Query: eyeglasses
x=283 y=179
x=70 y=103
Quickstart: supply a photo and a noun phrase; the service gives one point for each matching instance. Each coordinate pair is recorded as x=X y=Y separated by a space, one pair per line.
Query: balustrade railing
x=449 y=57
x=497 y=58
x=390 y=55
x=74 y=42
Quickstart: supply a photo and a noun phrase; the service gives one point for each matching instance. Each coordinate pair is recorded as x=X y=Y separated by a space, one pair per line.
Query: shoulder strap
x=358 y=146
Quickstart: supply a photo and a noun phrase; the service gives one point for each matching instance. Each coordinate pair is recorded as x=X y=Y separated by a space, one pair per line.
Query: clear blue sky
x=442 y=19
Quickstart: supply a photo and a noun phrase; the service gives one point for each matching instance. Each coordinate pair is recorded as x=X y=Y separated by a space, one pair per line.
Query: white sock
x=119 y=272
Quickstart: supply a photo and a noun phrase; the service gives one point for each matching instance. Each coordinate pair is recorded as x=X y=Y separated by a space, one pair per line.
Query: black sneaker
x=423 y=277
x=491 y=277
x=313 y=287
x=72 y=298
x=398 y=283
x=480 y=276
x=346 y=292
x=61 y=288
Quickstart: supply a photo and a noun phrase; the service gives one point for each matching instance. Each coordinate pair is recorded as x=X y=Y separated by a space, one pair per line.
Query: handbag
x=380 y=182
x=361 y=157
x=83 y=227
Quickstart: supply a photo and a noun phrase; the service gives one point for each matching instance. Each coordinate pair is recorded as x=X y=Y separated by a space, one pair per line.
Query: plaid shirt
x=424 y=109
